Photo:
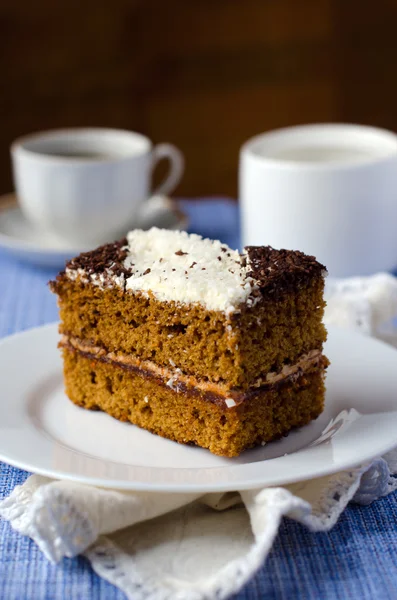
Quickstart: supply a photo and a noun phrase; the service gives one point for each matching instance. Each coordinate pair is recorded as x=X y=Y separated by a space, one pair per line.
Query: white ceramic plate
x=19 y=237
x=43 y=432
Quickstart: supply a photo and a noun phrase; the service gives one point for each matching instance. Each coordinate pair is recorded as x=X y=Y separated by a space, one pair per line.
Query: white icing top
x=175 y=266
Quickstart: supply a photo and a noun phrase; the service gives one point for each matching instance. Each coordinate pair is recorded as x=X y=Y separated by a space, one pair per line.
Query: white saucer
x=43 y=432
x=19 y=237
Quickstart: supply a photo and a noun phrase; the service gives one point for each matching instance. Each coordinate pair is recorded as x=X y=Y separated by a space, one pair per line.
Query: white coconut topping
x=230 y=402
x=175 y=266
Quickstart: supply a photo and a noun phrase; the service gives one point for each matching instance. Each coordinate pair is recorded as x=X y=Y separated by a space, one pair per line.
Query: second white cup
x=328 y=190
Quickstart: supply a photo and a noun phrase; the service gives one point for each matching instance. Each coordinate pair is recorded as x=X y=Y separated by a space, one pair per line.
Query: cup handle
x=177 y=167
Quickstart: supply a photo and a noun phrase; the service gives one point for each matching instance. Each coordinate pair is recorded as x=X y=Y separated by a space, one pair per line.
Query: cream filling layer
x=174 y=378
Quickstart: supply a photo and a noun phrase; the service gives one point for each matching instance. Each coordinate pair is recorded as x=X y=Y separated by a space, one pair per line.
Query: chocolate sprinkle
x=180 y=253
x=147 y=272
x=281 y=270
x=108 y=257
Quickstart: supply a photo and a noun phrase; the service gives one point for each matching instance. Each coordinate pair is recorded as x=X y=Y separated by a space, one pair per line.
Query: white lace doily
x=186 y=547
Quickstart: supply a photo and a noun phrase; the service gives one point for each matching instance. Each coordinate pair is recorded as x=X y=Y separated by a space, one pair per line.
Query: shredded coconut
x=186 y=269
x=176 y=266
x=230 y=402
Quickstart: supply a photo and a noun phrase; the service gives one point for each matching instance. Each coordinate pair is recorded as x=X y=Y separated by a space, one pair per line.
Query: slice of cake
x=193 y=341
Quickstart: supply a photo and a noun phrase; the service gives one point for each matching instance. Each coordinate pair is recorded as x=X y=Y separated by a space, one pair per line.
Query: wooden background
x=203 y=74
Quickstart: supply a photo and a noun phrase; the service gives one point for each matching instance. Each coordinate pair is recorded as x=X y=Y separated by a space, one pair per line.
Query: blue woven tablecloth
x=357 y=559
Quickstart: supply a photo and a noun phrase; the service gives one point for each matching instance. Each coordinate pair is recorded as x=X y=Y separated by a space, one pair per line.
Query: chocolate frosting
x=107 y=259
x=281 y=270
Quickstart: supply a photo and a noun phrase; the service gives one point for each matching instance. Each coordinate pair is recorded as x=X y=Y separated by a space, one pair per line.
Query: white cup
x=328 y=190
x=87 y=185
